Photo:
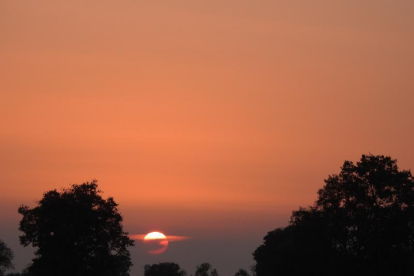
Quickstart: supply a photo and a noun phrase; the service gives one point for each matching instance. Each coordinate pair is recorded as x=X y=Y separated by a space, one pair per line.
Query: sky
x=207 y=119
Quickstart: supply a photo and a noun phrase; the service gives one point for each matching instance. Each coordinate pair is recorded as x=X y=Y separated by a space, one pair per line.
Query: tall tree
x=362 y=224
x=76 y=233
x=163 y=269
x=6 y=258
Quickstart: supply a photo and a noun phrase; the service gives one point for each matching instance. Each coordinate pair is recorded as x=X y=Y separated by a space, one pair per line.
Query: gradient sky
x=209 y=119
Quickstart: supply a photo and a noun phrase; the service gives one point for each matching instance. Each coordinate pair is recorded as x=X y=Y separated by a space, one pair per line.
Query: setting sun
x=155 y=243
x=154 y=236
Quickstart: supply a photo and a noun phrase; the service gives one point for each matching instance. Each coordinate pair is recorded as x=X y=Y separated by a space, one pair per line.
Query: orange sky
x=210 y=119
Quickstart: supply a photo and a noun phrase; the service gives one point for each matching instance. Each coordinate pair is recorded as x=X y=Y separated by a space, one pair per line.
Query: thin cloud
x=169 y=238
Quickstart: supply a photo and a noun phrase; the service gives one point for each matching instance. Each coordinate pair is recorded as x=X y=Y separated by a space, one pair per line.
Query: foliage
x=25 y=272
x=362 y=224
x=20 y=274
x=163 y=269
x=242 y=272
x=6 y=257
x=76 y=232
x=205 y=269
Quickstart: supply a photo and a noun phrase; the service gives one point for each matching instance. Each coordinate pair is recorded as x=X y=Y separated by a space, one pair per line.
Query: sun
x=155 y=236
x=156 y=243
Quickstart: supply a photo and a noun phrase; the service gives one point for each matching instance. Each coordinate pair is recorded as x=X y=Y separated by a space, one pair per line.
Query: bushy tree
x=242 y=272
x=206 y=269
x=6 y=258
x=76 y=233
x=163 y=269
x=361 y=224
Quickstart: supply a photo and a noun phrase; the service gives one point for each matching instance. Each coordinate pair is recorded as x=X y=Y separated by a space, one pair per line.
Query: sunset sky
x=206 y=119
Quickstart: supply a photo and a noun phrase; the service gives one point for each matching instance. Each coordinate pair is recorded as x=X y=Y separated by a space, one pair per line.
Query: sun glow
x=155 y=236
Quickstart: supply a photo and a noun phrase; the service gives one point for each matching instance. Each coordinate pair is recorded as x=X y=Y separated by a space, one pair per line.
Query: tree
x=206 y=269
x=242 y=272
x=6 y=257
x=24 y=273
x=163 y=269
x=76 y=233
x=362 y=224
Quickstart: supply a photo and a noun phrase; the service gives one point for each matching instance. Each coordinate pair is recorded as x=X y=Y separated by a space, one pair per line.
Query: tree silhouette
x=242 y=272
x=361 y=224
x=163 y=269
x=24 y=273
x=205 y=269
x=76 y=233
x=6 y=257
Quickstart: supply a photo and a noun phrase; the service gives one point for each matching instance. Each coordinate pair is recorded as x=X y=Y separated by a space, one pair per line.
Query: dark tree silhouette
x=6 y=258
x=163 y=269
x=24 y=273
x=205 y=269
x=242 y=272
x=361 y=224
x=76 y=233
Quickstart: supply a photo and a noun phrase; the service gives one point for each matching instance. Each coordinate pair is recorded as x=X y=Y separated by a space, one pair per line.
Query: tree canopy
x=24 y=273
x=6 y=258
x=242 y=272
x=163 y=269
x=76 y=233
x=206 y=269
x=361 y=224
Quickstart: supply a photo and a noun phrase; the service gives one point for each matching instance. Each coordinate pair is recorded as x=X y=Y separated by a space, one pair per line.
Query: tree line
x=164 y=269
x=362 y=223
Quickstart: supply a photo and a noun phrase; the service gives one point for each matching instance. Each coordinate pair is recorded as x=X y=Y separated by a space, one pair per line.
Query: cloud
x=169 y=238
